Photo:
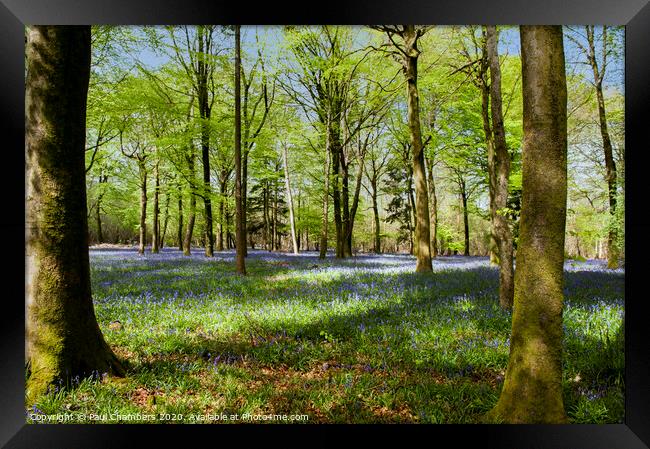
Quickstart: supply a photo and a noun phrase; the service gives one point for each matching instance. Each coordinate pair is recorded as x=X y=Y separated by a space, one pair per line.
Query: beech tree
x=63 y=339
x=239 y=205
x=499 y=174
x=532 y=390
x=407 y=53
x=598 y=60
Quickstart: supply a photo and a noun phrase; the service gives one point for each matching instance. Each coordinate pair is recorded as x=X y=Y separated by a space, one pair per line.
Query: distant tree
x=598 y=60
x=405 y=49
x=532 y=391
x=63 y=339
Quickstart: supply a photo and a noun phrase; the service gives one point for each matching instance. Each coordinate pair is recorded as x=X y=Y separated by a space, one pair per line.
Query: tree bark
x=325 y=220
x=180 y=219
x=240 y=237
x=375 y=213
x=501 y=170
x=142 y=169
x=292 y=222
x=187 y=244
x=155 y=233
x=532 y=391
x=422 y=233
x=63 y=338
x=204 y=112
x=100 y=236
x=412 y=221
x=165 y=220
x=463 y=197
x=335 y=149
x=433 y=210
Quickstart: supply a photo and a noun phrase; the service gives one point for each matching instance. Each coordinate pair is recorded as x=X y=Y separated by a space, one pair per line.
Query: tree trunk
x=292 y=223
x=187 y=244
x=346 y=244
x=143 y=205
x=223 y=185
x=180 y=219
x=267 y=217
x=204 y=112
x=155 y=233
x=610 y=165
x=463 y=197
x=412 y=222
x=532 y=391
x=485 y=88
x=433 y=210
x=240 y=260
x=335 y=149
x=275 y=237
x=501 y=169
x=165 y=220
x=325 y=220
x=63 y=339
x=375 y=213
x=422 y=233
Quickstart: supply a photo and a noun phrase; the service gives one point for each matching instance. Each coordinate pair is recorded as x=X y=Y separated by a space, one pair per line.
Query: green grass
x=343 y=342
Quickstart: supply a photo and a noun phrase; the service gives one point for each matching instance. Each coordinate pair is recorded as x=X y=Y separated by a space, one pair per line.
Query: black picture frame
x=634 y=14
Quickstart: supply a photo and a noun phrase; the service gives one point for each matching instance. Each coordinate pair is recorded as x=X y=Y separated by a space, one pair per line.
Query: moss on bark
x=532 y=391
x=63 y=338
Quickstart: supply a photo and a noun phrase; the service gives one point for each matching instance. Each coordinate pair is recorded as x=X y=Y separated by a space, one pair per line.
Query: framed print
x=317 y=326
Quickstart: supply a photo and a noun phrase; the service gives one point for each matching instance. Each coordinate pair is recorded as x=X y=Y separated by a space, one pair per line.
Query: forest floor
x=364 y=340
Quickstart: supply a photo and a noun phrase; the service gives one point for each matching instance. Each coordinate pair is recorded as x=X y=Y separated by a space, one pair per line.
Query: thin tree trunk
x=222 y=194
x=155 y=233
x=463 y=197
x=292 y=223
x=412 y=223
x=501 y=169
x=143 y=206
x=187 y=244
x=267 y=217
x=63 y=339
x=326 y=173
x=375 y=213
x=204 y=111
x=489 y=143
x=165 y=220
x=240 y=260
x=433 y=210
x=275 y=239
x=532 y=391
x=610 y=165
x=336 y=192
x=180 y=219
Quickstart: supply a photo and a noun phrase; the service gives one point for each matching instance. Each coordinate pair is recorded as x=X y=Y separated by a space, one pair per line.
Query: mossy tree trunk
x=63 y=338
x=422 y=234
x=532 y=391
x=500 y=172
